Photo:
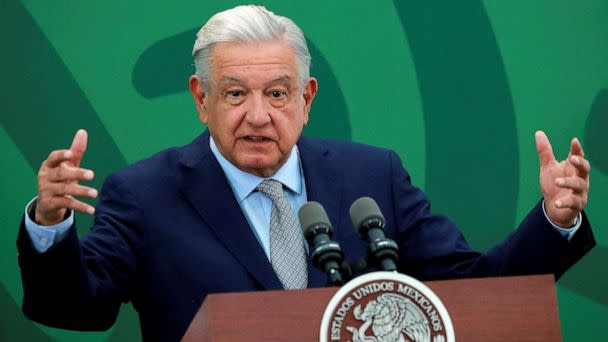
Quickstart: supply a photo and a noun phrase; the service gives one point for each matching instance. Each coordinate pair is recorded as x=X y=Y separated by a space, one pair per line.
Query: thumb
x=79 y=146
x=544 y=149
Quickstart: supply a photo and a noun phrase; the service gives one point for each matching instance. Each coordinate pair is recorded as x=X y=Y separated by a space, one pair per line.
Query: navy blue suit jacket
x=168 y=231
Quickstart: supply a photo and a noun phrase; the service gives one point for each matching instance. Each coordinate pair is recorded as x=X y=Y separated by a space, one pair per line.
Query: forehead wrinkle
x=253 y=60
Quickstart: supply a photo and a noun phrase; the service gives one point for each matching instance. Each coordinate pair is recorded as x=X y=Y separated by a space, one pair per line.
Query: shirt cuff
x=44 y=237
x=568 y=233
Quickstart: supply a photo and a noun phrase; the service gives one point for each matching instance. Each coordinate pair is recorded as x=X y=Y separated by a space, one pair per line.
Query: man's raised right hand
x=58 y=186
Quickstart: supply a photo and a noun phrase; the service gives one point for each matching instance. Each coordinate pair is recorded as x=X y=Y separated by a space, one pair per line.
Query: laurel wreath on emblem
x=393 y=318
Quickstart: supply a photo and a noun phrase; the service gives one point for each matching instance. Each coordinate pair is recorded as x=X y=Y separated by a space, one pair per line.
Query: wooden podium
x=484 y=309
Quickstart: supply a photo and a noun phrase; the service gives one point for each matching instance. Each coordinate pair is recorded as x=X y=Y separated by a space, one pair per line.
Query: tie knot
x=271 y=188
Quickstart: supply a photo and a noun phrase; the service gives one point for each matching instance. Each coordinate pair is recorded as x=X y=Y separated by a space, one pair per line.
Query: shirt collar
x=243 y=183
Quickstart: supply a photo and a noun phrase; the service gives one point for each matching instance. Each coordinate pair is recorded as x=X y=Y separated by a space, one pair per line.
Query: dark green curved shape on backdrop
x=471 y=141
x=163 y=68
x=596 y=137
x=588 y=276
x=13 y=326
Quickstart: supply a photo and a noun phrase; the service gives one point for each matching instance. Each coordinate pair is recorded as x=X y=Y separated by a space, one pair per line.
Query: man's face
x=255 y=108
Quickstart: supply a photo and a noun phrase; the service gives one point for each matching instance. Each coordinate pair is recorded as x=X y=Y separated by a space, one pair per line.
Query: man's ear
x=200 y=96
x=310 y=90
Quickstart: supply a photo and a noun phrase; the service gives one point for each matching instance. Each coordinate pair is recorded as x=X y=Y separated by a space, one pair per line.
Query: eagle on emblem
x=393 y=318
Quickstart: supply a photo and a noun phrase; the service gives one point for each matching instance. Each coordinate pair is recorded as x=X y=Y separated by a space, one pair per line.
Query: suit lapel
x=207 y=189
x=324 y=185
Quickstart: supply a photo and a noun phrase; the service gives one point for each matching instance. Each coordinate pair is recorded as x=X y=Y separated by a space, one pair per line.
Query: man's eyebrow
x=279 y=80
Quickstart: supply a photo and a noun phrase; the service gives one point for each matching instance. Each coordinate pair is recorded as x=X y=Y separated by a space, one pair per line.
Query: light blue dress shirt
x=43 y=237
x=255 y=206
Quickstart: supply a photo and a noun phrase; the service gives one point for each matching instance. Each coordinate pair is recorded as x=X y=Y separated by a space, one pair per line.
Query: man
x=217 y=215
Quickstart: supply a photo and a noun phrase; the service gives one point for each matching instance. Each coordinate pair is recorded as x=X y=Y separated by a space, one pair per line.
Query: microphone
x=326 y=254
x=369 y=222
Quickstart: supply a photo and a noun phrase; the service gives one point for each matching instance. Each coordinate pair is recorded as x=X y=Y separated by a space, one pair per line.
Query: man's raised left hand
x=564 y=184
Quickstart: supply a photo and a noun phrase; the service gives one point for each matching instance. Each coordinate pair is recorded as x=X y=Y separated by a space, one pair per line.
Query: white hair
x=248 y=24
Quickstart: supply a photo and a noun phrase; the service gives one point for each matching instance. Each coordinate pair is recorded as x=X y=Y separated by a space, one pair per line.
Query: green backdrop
x=457 y=88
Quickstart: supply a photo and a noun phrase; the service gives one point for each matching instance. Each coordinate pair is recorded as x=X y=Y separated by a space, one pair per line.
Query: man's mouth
x=254 y=138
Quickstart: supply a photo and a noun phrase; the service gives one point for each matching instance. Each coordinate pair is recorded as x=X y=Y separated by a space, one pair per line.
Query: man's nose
x=257 y=113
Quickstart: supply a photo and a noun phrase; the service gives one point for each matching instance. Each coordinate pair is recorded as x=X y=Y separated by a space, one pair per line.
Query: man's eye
x=234 y=93
x=277 y=94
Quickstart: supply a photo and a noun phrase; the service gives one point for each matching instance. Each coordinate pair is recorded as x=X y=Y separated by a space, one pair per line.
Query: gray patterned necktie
x=287 y=254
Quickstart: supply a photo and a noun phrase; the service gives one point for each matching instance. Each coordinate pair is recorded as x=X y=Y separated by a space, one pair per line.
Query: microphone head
x=313 y=216
x=362 y=210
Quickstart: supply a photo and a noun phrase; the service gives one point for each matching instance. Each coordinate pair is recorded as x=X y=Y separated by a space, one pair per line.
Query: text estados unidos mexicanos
x=372 y=288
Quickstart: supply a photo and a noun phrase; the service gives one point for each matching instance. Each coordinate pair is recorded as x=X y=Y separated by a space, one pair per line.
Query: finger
x=575 y=184
x=72 y=203
x=582 y=165
x=79 y=146
x=56 y=157
x=576 y=149
x=65 y=172
x=53 y=190
x=543 y=148
x=573 y=202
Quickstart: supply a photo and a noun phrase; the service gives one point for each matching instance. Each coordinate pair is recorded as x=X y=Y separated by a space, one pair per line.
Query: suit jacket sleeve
x=433 y=248
x=80 y=284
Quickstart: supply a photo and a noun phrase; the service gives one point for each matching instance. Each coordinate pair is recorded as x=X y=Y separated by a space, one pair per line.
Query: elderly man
x=217 y=215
